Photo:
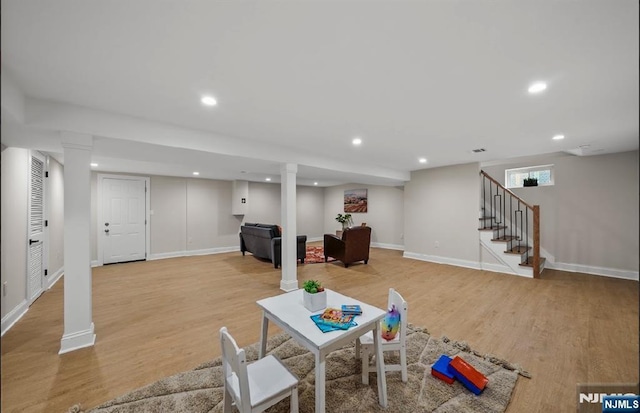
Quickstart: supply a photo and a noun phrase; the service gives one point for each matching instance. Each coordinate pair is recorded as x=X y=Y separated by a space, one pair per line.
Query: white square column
x=78 y=324
x=289 y=281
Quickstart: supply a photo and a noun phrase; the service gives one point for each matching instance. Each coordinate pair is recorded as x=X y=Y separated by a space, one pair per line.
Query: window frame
x=528 y=170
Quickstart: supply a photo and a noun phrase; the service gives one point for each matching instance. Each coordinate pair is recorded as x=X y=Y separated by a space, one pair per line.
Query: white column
x=78 y=324
x=289 y=280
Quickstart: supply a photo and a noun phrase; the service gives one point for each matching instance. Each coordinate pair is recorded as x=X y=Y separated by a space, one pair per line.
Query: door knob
x=106 y=230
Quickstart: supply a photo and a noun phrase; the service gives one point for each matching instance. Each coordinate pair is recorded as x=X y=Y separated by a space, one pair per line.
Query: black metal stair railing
x=513 y=220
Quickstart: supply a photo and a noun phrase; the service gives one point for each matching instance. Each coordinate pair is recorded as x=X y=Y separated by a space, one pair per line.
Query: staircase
x=510 y=229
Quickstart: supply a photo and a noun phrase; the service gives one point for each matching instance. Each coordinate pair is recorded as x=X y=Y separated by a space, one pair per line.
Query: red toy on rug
x=448 y=370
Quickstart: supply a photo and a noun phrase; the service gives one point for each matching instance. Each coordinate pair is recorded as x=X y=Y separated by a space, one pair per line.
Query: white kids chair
x=365 y=347
x=257 y=386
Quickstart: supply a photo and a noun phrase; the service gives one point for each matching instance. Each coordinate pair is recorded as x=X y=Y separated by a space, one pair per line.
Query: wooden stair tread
x=505 y=238
x=518 y=250
x=529 y=262
x=497 y=228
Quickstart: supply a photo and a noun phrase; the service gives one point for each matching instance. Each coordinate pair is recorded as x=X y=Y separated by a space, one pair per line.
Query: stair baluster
x=516 y=229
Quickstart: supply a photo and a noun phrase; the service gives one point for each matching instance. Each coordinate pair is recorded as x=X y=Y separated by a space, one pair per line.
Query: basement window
x=514 y=178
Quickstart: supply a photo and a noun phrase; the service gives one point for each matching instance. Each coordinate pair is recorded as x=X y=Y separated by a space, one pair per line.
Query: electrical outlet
x=437 y=244
x=401 y=235
x=4 y=289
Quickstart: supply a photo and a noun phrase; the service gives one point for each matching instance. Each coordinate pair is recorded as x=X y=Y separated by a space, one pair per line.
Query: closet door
x=35 y=255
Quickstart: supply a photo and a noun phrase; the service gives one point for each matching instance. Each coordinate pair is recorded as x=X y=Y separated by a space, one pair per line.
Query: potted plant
x=530 y=182
x=345 y=220
x=314 y=295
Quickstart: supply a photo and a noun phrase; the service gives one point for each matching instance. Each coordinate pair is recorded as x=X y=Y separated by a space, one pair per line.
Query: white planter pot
x=314 y=302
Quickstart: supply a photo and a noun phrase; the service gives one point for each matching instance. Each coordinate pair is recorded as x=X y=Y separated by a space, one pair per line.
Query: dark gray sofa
x=264 y=241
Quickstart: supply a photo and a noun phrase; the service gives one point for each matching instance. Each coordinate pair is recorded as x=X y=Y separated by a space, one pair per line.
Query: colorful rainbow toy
x=391 y=324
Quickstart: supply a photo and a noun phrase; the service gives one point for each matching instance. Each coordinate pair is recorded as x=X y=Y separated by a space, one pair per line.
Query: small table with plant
x=288 y=312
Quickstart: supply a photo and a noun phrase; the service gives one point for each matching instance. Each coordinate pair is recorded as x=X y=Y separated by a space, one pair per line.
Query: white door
x=123 y=214
x=35 y=257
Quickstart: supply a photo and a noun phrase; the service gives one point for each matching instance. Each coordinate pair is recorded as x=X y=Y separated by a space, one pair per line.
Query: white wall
x=589 y=218
x=441 y=215
x=169 y=214
x=13 y=242
x=264 y=207
x=310 y=211
x=264 y=204
x=193 y=214
x=209 y=220
x=385 y=213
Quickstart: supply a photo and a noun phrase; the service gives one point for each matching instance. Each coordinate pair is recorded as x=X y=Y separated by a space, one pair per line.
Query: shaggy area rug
x=315 y=255
x=200 y=390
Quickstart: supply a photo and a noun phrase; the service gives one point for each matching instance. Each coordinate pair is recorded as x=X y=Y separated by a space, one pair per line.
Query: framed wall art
x=355 y=200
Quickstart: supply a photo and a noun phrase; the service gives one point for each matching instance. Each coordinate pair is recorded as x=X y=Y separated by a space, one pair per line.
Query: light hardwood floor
x=158 y=318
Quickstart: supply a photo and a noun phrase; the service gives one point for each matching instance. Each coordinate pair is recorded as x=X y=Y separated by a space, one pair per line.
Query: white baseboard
x=95 y=263
x=13 y=316
x=207 y=251
x=442 y=260
x=53 y=279
x=496 y=268
x=605 y=272
x=373 y=244
x=387 y=246
x=503 y=269
x=77 y=340
x=587 y=269
x=288 y=285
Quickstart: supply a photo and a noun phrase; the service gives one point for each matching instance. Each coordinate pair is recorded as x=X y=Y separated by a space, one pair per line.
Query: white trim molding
x=77 y=340
x=53 y=279
x=176 y=254
x=288 y=285
x=485 y=266
x=442 y=260
x=588 y=269
x=388 y=246
x=13 y=316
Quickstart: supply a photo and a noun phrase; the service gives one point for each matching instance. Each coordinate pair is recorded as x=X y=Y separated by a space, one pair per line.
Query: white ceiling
x=296 y=81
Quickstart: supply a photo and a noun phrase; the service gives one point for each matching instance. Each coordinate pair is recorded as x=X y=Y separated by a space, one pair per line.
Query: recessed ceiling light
x=537 y=87
x=209 y=101
x=94 y=164
x=422 y=160
x=196 y=173
x=267 y=179
x=315 y=183
x=558 y=137
x=356 y=141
